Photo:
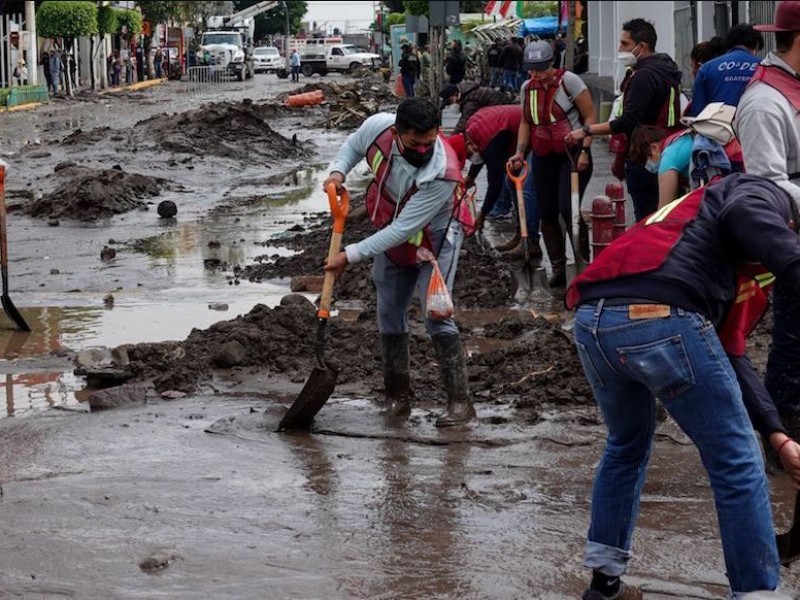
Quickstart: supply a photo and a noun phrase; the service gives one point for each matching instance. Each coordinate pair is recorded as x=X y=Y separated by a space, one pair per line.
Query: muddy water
x=355 y=510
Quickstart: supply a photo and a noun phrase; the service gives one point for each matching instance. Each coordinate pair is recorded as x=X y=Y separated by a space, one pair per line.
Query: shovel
x=789 y=542
x=528 y=270
x=573 y=231
x=8 y=306
x=319 y=386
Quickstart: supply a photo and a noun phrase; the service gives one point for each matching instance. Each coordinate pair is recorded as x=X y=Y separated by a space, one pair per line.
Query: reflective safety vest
x=781 y=80
x=383 y=208
x=668 y=117
x=646 y=246
x=548 y=122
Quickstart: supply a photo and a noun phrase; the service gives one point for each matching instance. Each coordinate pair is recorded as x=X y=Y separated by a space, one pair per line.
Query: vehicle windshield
x=349 y=50
x=267 y=51
x=221 y=38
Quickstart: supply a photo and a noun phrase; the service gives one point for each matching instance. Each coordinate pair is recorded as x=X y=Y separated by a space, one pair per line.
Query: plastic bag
x=438 y=303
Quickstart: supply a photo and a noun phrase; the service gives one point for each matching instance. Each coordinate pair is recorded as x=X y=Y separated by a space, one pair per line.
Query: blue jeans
x=680 y=361
x=496 y=77
x=396 y=285
x=643 y=188
x=510 y=80
x=408 y=85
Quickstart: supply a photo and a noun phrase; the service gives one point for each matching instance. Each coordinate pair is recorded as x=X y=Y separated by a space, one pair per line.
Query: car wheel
x=307 y=70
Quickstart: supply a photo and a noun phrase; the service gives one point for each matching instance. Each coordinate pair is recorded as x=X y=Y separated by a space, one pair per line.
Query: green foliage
x=132 y=19
x=416 y=7
x=472 y=6
x=66 y=18
x=158 y=11
x=467 y=26
x=393 y=19
x=4 y=93
x=106 y=20
x=274 y=21
x=531 y=10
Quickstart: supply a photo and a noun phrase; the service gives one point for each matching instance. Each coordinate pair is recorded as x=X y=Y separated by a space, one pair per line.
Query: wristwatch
x=587 y=129
x=585 y=149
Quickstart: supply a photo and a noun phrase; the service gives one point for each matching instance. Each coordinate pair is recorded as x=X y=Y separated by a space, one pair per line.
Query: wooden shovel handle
x=340 y=206
x=3 y=220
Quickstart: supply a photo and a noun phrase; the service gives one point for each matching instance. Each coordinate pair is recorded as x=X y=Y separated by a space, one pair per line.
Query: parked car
x=267 y=59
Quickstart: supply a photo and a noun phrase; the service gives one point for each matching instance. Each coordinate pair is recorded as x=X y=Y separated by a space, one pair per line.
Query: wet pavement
x=199 y=497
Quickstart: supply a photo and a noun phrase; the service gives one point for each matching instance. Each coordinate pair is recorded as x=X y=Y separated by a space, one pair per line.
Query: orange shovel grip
x=517 y=179
x=339 y=207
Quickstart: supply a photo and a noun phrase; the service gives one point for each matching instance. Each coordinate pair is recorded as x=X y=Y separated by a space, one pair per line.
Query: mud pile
x=349 y=104
x=88 y=194
x=482 y=279
x=225 y=129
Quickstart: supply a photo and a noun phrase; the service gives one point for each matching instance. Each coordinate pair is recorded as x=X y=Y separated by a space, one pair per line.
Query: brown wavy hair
x=641 y=138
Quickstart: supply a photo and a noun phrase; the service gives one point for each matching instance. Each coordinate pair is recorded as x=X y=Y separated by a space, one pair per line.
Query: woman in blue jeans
x=669 y=321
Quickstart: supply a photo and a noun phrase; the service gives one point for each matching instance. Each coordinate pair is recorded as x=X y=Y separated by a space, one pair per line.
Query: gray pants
x=396 y=285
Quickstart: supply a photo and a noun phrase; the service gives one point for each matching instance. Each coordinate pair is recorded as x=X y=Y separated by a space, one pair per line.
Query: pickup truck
x=336 y=57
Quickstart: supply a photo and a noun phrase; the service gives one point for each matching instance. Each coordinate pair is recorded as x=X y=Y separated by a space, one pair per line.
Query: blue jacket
x=723 y=79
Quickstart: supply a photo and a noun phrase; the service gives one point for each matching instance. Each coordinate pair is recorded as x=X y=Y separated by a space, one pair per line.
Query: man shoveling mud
x=412 y=201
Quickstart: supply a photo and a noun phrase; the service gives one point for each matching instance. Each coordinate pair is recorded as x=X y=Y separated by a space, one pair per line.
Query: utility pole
x=569 y=62
x=33 y=47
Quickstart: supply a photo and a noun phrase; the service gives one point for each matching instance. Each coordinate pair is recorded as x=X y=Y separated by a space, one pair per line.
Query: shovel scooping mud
x=320 y=384
x=8 y=306
x=528 y=270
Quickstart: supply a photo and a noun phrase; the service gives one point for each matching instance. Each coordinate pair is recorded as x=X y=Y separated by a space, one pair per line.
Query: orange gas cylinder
x=306 y=99
x=602 y=223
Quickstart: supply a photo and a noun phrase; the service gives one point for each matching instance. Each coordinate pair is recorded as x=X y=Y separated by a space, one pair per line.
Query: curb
x=133 y=87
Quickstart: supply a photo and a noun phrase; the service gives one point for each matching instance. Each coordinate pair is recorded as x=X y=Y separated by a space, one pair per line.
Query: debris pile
x=88 y=194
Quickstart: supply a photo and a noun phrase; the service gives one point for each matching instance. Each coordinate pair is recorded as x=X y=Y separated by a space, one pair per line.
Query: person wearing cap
x=664 y=313
x=724 y=78
x=651 y=95
x=768 y=129
x=554 y=102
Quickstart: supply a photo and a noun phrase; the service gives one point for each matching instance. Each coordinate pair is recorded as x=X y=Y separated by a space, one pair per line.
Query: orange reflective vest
x=548 y=122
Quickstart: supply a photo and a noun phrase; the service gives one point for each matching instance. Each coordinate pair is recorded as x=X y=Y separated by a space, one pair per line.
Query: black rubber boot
x=396 y=374
x=453 y=368
x=583 y=241
x=553 y=237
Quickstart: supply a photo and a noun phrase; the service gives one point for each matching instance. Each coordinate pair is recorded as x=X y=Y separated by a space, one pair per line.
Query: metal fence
x=760 y=13
x=203 y=77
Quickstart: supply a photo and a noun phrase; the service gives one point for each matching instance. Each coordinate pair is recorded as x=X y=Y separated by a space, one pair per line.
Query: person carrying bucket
x=413 y=202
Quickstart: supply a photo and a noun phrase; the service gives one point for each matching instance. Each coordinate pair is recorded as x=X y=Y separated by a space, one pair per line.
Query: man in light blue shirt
x=411 y=200
x=294 y=63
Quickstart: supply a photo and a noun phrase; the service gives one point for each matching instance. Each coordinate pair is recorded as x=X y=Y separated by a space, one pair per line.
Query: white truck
x=227 y=45
x=336 y=57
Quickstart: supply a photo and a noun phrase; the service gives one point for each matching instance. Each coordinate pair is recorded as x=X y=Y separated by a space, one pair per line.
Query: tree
x=67 y=19
x=274 y=21
x=106 y=24
x=156 y=12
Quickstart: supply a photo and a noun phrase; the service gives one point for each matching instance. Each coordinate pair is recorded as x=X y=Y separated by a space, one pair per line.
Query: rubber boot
x=556 y=250
x=510 y=244
x=396 y=374
x=453 y=369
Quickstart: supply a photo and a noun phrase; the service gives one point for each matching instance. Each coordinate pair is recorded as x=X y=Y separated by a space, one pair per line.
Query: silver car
x=267 y=59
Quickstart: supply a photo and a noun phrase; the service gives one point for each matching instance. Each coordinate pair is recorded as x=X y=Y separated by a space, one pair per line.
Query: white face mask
x=628 y=59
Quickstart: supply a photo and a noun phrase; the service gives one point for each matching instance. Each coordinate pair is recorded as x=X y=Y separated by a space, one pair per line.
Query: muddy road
x=138 y=453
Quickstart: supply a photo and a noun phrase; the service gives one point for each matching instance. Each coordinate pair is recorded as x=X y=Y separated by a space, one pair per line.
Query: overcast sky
x=342 y=14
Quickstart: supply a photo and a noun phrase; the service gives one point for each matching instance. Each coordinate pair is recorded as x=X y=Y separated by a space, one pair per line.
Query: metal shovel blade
x=789 y=542
x=315 y=393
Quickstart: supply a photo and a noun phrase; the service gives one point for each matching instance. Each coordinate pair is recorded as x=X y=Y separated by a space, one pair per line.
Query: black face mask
x=414 y=157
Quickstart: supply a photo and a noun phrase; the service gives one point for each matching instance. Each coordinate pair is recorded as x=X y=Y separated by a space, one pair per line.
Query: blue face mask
x=651 y=166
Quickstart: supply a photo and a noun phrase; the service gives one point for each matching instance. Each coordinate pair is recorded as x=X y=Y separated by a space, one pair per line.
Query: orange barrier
x=307 y=99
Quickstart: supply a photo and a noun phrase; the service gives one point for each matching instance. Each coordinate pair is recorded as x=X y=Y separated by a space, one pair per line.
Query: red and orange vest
x=781 y=80
x=548 y=121
x=647 y=245
x=383 y=209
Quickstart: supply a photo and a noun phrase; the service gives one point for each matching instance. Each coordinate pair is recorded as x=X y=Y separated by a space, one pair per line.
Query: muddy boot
x=509 y=245
x=583 y=241
x=518 y=251
x=396 y=374
x=453 y=367
x=556 y=250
